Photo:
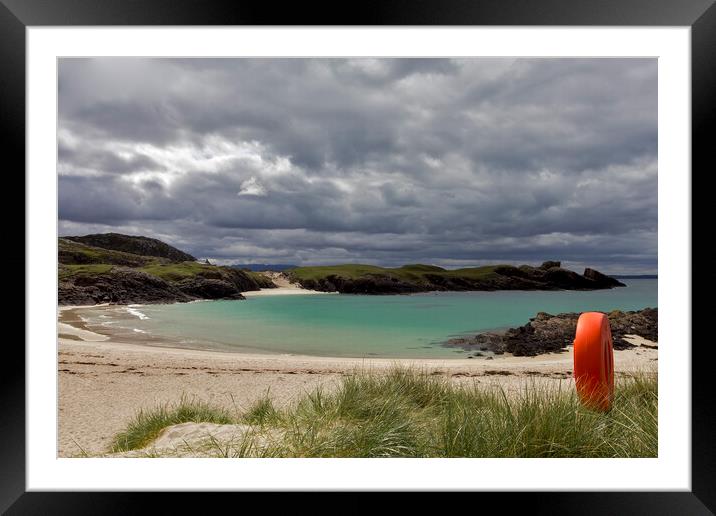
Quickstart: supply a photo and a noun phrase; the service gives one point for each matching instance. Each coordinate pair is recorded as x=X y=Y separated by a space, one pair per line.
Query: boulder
x=602 y=280
x=549 y=264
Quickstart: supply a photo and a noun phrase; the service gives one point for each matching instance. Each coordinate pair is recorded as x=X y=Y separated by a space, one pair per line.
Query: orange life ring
x=594 y=361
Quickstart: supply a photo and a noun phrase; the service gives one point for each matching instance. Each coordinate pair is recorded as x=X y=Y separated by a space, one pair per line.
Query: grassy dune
x=147 y=425
x=409 y=413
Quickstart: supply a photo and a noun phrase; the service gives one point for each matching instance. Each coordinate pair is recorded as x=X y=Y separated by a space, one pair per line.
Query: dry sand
x=103 y=383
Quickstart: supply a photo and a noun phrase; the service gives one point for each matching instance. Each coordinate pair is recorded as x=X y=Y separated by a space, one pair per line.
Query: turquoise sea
x=359 y=326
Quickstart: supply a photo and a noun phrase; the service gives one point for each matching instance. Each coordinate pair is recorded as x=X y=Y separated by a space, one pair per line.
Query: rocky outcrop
x=205 y=288
x=119 y=285
x=124 y=285
x=547 y=333
x=550 y=264
x=140 y=245
x=90 y=274
x=601 y=279
x=365 y=285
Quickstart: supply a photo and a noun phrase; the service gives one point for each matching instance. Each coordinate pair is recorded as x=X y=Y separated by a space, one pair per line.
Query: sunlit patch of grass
x=409 y=413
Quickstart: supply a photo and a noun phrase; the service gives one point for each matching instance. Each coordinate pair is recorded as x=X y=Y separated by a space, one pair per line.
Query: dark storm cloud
x=388 y=161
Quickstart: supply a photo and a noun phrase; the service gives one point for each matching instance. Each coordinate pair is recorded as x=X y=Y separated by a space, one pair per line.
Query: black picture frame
x=700 y=15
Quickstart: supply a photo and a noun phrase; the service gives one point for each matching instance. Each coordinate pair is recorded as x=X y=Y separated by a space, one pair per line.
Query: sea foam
x=136 y=313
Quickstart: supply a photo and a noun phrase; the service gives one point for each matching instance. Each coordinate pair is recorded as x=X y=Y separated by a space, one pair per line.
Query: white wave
x=139 y=331
x=137 y=313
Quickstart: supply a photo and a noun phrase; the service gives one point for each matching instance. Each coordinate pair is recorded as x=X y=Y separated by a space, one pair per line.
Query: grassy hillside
x=69 y=271
x=89 y=274
x=406 y=413
x=180 y=271
x=139 y=245
x=370 y=279
x=75 y=253
x=414 y=272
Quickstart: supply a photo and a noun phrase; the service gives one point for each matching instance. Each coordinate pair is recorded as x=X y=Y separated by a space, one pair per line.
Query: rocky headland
x=111 y=268
x=368 y=279
x=124 y=269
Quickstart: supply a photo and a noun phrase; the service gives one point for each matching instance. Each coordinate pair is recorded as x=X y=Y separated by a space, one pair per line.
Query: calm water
x=347 y=325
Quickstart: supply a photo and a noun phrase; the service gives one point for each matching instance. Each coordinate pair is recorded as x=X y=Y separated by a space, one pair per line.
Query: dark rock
x=567 y=280
x=123 y=285
x=549 y=276
x=644 y=323
x=602 y=279
x=207 y=288
x=550 y=264
x=119 y=285
x=364 y=285
x=546 y=333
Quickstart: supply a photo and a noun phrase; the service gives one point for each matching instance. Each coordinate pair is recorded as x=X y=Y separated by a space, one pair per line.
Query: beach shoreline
x=104 y=381
x=284 y=291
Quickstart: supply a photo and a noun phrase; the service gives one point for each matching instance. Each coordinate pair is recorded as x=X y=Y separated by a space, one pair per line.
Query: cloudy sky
x=386 y=161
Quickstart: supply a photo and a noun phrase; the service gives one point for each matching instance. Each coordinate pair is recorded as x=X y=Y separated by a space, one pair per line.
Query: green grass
x=146 y=425
x=409 y=413
x=174 y=272
x=410 y=273
x=76 y=253
x=67 y=271
x=79 y=259
x=178 y=271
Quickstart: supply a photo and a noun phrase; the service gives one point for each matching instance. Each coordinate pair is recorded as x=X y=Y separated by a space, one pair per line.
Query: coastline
x=104 y=382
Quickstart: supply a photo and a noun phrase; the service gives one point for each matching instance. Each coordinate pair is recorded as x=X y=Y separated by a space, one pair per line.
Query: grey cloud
x=387 y=161
x=105 y=162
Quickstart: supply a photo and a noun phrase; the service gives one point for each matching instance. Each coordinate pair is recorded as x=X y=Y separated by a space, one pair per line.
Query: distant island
x=124 y=269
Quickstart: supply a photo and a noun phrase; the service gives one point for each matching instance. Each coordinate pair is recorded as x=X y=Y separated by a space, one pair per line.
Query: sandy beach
x=103 y=382
x=284 y=287
x=283 y=291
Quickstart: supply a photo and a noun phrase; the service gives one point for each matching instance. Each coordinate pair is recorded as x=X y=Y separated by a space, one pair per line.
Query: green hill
x=90 y=274
x=139 y=245
x=371 y=279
